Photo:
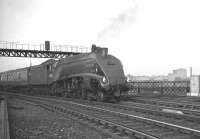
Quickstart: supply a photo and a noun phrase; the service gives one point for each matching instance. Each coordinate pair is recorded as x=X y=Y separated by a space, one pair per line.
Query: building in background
x=176 y=75
x=137 y=78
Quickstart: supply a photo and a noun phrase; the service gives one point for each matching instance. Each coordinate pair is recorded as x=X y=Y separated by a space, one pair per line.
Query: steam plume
x=122 y=20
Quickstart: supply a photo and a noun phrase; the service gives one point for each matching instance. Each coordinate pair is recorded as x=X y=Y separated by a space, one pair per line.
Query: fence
x=163 y=88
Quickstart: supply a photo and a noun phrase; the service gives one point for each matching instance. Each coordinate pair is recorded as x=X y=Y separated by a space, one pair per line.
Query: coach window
x=49 y=68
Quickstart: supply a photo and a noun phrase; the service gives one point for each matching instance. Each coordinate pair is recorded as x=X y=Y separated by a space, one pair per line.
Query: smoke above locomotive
x=96 y=75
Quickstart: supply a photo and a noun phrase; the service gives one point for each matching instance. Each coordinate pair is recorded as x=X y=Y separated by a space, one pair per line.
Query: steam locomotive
x=94 y=75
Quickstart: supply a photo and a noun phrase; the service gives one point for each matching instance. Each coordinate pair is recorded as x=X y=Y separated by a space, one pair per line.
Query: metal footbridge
x=47 y=50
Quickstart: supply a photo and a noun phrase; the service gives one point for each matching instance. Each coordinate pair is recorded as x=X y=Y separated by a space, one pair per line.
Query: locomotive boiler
x=96 y=75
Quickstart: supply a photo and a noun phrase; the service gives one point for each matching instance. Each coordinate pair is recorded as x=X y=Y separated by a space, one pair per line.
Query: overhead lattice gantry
x=13 y=49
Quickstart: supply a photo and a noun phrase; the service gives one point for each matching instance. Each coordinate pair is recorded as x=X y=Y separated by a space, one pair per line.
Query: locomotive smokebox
x=100 y=50
x=47 y=45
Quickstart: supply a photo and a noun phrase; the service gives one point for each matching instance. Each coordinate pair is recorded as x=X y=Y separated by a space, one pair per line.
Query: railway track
x=4 y=125
x=118 y=124
x=186 y=119
x=169 y=109
x=180 y=99
x=179 y=116
x=187 y=105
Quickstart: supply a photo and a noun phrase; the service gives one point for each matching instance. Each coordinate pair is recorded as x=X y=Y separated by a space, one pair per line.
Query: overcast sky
x=150 y=37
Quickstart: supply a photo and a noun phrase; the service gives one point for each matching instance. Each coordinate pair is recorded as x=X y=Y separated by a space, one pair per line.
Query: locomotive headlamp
x=104 y=80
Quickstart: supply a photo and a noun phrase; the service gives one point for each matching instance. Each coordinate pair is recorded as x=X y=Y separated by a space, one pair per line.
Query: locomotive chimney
x=99 y=50
x=94 y=47
x=104 y=51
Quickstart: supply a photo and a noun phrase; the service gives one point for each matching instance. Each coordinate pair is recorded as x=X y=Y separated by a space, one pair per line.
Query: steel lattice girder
x=35 y=53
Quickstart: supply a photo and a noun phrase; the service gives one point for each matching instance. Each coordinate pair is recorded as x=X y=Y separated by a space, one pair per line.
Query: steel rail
x=184 y=110
x=177 y=105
